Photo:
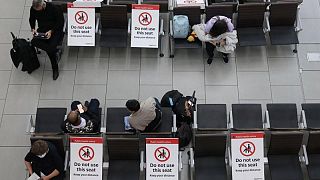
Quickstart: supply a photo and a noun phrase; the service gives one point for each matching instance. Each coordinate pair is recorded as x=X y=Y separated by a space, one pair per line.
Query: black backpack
x=23 y=52
x=184 y=133
x=175 y=95
x=181 y=112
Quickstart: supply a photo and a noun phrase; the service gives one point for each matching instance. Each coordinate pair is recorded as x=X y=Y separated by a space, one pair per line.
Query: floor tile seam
x=269 y=76
x=123 y=70
x=186 y=71
x=287 y=85
x=5 y=146
x=304 y=43
x=222 y=85
x=254 y=99
x=251 y=71
x=204 y=75
x=142 y=84
x=283 y=57
x=90 y=84
x=75 y=74
x=312 y=99
x=209 y=84
x=300 y=76
x=10 y=18
x=310 y=70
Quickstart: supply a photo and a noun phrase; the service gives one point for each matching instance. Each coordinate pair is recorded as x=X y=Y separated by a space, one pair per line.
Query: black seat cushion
x=166 y=120
x=283 y=116
x=283 y=35
x=314 y=166
x=114 y=38
x=115 y=117
x=124 y=170
x=247 y=116
x=312 y=112
x=48 y=120
x=253 y=36
x=212 y=116
x=210 y=167
x=285 y=167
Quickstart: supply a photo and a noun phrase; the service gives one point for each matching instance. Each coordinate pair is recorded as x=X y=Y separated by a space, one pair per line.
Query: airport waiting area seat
x=283 y=155
x=194 y=16
x=208 y=159
x=115 y=120
x=311 y=115
x=211 y=117
x=124 y=158
x=250 y=24
x=114 y=26
x=219 y=10
x=282 y=116
x=48 y=120
x=246 y=117
x=313 y=155
x=283 y=22
x=58 y=142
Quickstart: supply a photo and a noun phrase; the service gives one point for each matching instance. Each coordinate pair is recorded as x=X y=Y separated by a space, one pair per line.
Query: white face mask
x=43 y=155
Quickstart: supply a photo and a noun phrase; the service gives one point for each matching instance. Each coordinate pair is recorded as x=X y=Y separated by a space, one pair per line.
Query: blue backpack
x=180 y=26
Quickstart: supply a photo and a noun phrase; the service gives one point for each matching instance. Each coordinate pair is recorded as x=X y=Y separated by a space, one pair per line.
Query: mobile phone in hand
x=80 y=108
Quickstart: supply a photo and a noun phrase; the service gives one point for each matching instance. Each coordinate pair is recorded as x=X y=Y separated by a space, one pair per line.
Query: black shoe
x=55 y=74
x=225 y=58
x=209 y=61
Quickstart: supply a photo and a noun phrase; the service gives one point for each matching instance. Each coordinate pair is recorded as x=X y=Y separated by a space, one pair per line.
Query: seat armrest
x=267 y=29
x=141 y=161
x=161 y=32
x=229 y=157
x=195 y=120
x=171 y=28
x=103 y=129
x=303 y=119
x=191 y=161
x=305 y=154
x=105 y=165
x=30 y=126
x=66 y=160
x=267 y=121
x=230 y=120
x=174 y=123
x=298 y=21
x=265 y=160
x=65 y=25
x=180 y=161
x=129 y=26
x=97 y=24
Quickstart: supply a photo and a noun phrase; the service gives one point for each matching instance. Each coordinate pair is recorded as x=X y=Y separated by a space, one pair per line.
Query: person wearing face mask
x=44 y=158
x=50 y=21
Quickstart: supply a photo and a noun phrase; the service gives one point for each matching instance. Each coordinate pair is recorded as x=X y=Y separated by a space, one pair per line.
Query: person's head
x=74 y=118
x=38 y=5
x=40 y=148
x=133 y=105
x=218 y=28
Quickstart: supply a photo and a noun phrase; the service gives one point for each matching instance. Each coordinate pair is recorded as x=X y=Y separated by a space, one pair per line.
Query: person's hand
x=222 y=42
x=85 y=109
x=33 y=31
x=48 y=34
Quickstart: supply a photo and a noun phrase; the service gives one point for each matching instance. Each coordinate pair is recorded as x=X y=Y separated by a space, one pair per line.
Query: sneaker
x=55 y=74
x=209 y=61
x=225 y=58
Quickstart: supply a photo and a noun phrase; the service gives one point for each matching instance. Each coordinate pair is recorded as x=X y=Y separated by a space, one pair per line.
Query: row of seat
x=210 y=156
x=253 y=22
x=250 y=117
x=207 y=117
x=279 y=20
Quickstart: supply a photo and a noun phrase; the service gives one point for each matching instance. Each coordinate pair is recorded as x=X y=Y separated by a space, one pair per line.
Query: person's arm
x=51 y=175
x=32 y=21
x=29 y=167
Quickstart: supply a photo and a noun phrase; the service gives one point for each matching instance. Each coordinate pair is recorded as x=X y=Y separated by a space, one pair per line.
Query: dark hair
x=133 y=105
x=39 y=147
x=218 y=28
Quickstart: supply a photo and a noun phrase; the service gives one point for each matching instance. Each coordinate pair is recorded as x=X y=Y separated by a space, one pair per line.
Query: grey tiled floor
x=253 y=75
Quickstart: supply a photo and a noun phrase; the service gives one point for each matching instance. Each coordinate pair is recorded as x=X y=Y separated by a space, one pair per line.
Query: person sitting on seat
x=44 y=158
x=216 y=26
x=50 y=21
x=145 y=116
x=83 y=118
